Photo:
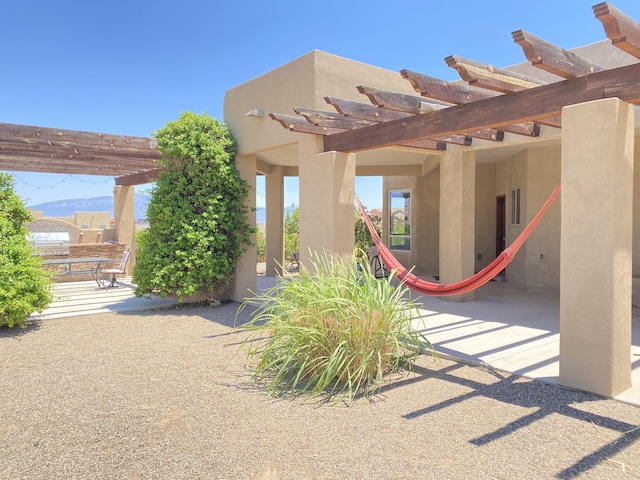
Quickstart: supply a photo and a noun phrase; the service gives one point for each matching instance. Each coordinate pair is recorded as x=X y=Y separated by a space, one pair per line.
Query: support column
x=125 y=220
x=457 y=218
x=327 y=183
x=244 y=281
x=596 y=246
x=274 y=228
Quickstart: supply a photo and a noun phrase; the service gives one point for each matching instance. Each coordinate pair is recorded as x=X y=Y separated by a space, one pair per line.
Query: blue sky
x=128 y=67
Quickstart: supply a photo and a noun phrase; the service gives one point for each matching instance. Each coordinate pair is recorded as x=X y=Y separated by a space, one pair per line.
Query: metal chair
x=117 y=271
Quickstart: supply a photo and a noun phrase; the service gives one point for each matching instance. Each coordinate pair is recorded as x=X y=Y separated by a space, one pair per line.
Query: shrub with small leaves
x=25 y=286
x=338 y=330
x=198 y=221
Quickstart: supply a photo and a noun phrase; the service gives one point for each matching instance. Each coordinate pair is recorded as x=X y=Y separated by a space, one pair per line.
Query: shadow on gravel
x=549 y=399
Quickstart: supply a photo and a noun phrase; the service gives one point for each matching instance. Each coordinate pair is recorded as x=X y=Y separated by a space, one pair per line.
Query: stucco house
x=469 y=164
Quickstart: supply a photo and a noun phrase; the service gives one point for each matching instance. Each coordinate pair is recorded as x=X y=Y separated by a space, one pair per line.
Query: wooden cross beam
x=414 y=105
x=459 y=93
x=372 y=113
x=526 y=105
x=332 y=120
x=299 y=124
x=553 y=59
x=622 y=30
x=490 y=77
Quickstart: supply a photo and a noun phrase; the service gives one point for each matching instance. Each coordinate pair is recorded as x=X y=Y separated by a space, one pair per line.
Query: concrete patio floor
x=508 y=329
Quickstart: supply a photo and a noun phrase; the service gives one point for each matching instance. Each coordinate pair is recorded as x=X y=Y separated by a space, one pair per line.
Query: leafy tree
x=25 y=287
x=198 y=221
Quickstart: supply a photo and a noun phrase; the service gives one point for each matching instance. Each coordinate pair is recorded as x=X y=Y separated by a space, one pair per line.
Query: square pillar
x=596 y=246
x=244 y=281
x=327 y=183
x=125 y=220
x=274 y=228
x=457 y=218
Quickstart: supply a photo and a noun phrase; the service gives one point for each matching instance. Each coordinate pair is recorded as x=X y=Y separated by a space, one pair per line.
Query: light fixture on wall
x=256 y=112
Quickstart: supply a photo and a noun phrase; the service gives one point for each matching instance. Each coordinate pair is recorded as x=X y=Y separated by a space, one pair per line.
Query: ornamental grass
x=338 y=330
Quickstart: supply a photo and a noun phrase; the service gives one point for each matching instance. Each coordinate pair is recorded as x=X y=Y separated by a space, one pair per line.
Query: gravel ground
x=168 y=395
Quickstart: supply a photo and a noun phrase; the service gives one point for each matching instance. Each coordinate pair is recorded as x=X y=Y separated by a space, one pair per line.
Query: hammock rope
x=445 y=289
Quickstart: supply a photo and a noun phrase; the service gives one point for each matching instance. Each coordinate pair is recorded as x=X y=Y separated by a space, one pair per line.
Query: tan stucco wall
x=485 y=236
x=303 y=82
x=542 y=256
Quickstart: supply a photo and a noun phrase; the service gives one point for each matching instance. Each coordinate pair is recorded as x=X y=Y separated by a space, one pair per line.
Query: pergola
x=130 y=160
x=493 y=100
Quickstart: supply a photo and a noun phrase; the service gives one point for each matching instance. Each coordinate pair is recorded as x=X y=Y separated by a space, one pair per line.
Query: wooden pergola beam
x=301 y=125
x=298 y=124
x=375 y=114
x=8 y=130
x=526 y=105
x=332 y=120
x=490 y=77
x=460 y=93
x=396 y=101
x=622 y=30
x=139 y=178
x=553 y=59
x=415 y=105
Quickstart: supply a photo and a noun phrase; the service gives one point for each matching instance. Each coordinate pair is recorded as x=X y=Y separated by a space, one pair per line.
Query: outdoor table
x=96 y=266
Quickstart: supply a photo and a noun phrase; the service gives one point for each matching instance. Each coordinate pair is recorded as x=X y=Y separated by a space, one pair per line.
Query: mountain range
x=66 y=208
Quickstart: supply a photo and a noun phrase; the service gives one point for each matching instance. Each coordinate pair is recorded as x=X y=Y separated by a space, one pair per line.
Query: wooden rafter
x=330 y=119
x=622 y=30
x=40 y=149
x=414 y=105
x=553 y=59
x=490 y=77
x=376 y=114
x=526 y=105
x=139 y=178
x=460 y=93
x=299 y=124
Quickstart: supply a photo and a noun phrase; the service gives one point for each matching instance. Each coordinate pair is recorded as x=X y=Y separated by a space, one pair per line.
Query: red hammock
x=444 y=289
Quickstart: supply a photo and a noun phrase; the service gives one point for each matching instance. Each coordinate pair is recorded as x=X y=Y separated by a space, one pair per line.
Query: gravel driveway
x=167 y=395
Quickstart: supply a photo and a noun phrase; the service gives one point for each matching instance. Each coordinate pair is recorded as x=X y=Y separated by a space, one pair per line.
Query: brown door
x=501 y=219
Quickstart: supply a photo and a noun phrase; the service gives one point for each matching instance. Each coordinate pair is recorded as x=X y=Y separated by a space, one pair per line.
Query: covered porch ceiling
x=495 y=111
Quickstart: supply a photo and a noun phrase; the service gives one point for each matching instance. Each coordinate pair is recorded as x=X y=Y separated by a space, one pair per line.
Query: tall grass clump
x=337 y=330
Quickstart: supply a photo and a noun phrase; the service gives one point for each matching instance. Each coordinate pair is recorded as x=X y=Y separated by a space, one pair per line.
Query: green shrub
x=291 y=233
x=261 y=245
x=363 y=236
x=25 y=287
x=337 y=331
x=198 y=220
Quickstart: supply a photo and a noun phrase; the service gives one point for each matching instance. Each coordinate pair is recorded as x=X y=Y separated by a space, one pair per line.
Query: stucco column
x=274 y=228
x=457 y=218
x=327 y=183
x=596 y=244
x=244 y=281
x=125 y=220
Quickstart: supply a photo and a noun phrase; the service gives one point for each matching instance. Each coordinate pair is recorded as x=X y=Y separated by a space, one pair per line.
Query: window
x=400 y=220
x=515 y=206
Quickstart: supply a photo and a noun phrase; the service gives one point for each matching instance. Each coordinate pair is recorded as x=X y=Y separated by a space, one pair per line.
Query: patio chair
x=120 y=270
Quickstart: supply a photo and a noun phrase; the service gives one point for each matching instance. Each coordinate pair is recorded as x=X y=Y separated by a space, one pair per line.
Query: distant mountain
x=66 y=208
x=261 y=214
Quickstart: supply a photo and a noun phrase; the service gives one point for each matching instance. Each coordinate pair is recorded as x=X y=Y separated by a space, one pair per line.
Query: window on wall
x=400 y=220
x=515 y=206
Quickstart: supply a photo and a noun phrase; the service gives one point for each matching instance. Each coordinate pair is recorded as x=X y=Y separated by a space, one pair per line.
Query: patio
x=511 y=330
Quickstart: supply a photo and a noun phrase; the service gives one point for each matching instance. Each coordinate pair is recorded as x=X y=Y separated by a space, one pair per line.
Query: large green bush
x=25 y=287
x=363 y=236
x=198 y=221
x=338 y=330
